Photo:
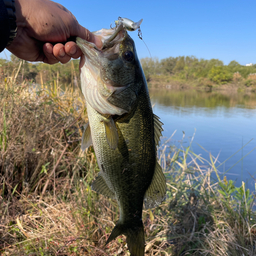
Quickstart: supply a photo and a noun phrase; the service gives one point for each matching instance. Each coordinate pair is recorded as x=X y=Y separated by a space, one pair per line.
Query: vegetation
x=39 y=73
x=190 y=71
x=47 y=206
x=178 y=72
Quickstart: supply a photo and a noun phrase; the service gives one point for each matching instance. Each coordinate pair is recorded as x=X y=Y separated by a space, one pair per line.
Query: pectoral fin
x=111 y=133
x=100 y=186
x=86 y=138
x=157 y=189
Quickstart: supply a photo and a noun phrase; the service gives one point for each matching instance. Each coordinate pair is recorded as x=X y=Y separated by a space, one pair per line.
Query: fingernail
x=73 y=50
x=98 y=42
x=61 y=53
x=49 y=48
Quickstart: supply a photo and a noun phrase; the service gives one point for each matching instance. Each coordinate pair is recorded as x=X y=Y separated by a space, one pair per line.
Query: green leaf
x=222 y=192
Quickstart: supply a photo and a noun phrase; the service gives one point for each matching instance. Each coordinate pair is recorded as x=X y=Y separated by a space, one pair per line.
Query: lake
x=221 y=122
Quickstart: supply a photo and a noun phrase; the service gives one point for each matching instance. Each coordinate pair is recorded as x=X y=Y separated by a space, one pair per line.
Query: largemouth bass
x=123 y=131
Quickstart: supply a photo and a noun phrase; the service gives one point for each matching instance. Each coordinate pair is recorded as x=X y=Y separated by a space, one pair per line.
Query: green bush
x=248 y=82
x=220 y=75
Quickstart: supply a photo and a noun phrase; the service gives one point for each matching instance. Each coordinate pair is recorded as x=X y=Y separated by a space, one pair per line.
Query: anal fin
x=100 y=186
x=155 y=193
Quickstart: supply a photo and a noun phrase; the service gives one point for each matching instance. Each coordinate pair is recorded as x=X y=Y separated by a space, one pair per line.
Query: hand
x=41 y=24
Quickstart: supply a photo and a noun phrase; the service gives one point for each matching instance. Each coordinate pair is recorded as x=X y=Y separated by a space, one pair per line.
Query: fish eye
x=128 y=56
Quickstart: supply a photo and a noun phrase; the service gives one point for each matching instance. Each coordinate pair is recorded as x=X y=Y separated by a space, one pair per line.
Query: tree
x=180 y=64
x=167 y=65
x=150 y=67
x=220 y=75
x=234 y=63
x=214 y=63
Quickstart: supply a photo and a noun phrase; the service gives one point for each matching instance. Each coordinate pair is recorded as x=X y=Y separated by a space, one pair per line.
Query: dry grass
x=39 y=139
x=47 y=206
x=252 y=76
x=237 y=77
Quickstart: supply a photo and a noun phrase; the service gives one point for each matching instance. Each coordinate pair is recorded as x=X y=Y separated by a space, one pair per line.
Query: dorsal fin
x=86 y=137
x=157 y=129
x=100 y=186
x=155 y=194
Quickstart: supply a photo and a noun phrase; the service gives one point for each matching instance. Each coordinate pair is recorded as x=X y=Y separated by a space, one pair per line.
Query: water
x=221 y=122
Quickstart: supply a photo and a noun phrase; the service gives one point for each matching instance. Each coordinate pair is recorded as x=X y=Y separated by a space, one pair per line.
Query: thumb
x=89 y=36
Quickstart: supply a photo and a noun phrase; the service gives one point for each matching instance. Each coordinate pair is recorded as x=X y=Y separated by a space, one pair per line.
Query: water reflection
x=222 y=122
x=203 y=99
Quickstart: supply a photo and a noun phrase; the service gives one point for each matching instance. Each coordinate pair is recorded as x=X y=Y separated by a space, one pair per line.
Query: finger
x=72 y=49
x=48 y=52
x=88 y=36
x=60 y=54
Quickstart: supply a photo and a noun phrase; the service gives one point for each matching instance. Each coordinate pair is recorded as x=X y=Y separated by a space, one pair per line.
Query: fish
x=123 y=131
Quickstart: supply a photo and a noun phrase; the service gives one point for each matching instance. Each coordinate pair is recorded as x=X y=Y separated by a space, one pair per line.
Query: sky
x=221 y=29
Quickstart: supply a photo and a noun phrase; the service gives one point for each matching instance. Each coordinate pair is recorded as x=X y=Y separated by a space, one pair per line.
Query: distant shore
x=199 y=85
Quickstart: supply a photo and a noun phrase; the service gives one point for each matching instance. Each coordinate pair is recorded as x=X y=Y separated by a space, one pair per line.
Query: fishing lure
x=130 y=25
x=122 y=23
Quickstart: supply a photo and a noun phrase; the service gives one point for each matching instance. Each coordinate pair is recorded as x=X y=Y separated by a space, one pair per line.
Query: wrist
x=10 y=6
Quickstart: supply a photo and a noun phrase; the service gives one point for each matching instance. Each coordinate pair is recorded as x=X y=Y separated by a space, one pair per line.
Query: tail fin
x=134 y=236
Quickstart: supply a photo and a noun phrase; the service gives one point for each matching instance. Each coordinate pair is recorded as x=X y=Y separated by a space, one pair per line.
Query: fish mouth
x=95 y=57
x=111 y=38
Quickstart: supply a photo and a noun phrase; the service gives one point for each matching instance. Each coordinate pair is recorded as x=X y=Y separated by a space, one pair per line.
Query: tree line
x=190 y=68
x=183 y=68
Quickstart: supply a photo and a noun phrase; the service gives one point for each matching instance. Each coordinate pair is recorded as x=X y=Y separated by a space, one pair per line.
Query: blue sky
x=221 y=29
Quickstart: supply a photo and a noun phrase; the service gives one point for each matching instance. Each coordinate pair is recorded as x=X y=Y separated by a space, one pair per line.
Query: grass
x=47 y=206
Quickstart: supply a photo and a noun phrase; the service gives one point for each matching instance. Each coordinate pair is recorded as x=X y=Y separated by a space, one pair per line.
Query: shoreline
x=188 y=85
